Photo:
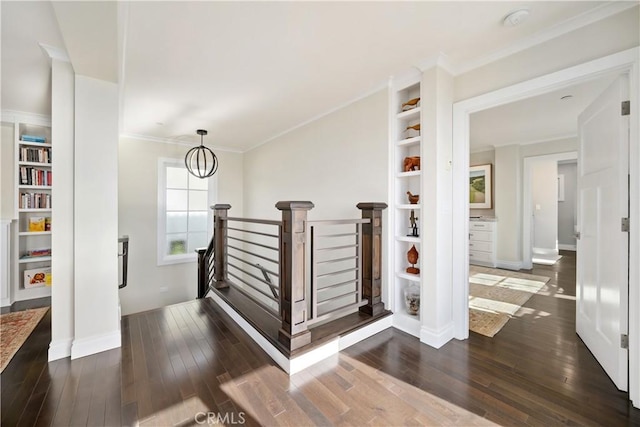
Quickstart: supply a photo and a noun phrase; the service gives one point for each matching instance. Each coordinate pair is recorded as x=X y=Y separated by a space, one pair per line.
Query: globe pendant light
x=200 y=161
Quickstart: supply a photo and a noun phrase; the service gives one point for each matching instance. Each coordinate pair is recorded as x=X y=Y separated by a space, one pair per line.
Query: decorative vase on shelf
x=413 y=198
x=412 y=299
x=412 y=257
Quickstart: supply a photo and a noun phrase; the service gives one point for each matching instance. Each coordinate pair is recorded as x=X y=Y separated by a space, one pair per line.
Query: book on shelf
x=35 y=176
x=37 y=277
x=34 y=201
x=47 y=224
x=33 y=138
x=35 y=155
x=36 y=253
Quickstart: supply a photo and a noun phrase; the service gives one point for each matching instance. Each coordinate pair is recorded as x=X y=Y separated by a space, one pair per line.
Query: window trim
x=161 y=225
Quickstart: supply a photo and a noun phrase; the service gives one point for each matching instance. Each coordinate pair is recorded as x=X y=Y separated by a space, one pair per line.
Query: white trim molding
x=12 y=116
x=96 y=344
x=5 y=263
x=627 y=61
x=60 y=349
x=303 y=361
x=509 y=265
x=576 y=22
x=436 y=339
x=56 y=53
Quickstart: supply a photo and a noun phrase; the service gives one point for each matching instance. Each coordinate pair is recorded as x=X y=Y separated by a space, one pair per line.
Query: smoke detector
x=515 y=18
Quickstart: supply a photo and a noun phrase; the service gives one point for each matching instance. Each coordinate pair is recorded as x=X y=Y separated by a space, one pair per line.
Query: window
x=185 y=220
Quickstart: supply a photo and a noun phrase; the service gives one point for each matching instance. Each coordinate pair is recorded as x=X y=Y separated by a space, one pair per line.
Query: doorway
x=623 y=62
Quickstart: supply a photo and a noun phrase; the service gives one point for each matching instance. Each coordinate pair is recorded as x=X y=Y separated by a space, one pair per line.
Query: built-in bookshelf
x=406 y=209
x=33 y=205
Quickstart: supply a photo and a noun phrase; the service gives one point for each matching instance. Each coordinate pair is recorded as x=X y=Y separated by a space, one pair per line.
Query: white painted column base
x=436 y=339
x=60 y=349
x=96 y=344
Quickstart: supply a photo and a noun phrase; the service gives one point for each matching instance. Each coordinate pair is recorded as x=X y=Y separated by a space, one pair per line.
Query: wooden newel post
x=220 y=245
x=203 y=269
x=293 y=299
x=372 y=257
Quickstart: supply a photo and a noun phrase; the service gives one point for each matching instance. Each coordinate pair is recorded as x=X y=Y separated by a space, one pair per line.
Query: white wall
x=508 y=189
x=97 y=320
x=7 y=181
x=567 y=209
x=334 y=162
x=611 y=35
x=138 y=217
x=544 y=186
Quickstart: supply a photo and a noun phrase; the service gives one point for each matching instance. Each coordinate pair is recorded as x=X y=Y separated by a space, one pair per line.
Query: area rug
x=496 y=295
x=15 y=328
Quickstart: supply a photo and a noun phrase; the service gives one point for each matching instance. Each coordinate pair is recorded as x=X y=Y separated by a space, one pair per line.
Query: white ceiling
x=542 y=118
x=249 y=71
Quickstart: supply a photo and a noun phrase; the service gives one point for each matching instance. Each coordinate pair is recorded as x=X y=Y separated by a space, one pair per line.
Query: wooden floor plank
x=191 y=359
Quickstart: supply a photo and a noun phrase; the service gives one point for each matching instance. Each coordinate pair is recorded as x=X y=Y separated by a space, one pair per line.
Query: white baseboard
x=436 y=339
x=96 y=344
x=4 y=302
x=567 y=247
x=256 y=336
x=509 y=265
x=60 y=349
x=303 y=361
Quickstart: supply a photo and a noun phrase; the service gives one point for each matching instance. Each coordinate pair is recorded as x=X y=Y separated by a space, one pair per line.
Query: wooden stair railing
x=296 y=294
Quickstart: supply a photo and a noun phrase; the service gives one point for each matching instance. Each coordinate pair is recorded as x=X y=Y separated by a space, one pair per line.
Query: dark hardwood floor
x=185 y=362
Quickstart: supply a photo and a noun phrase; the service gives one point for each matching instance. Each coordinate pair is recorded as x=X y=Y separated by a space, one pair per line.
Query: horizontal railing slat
x=270 y=297
x=326 y=222
x=253 y=232
x=273 y=273
x=338 y=313
x=273 y=248
x=255 y=221
x=335 y=273
x=330 y=261
x=252 y=254
x=335 y=248
x=336 y=285
x=259 y=279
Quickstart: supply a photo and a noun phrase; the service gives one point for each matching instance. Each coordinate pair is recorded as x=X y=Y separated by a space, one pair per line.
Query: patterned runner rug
x=496 y=295
x=15 y=328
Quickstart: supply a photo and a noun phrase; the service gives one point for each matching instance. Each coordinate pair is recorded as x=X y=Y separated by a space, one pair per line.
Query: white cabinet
x=482 y=242
x=33 y=208
x=406 y=217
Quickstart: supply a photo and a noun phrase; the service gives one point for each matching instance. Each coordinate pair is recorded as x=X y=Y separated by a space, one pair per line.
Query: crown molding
x=12 y=116
x=586 y=18
x=55 y=53
x=159 y=140
x=555 y=138
x=439 y=60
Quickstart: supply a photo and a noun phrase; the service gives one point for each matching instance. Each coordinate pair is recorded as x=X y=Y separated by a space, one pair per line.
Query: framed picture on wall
x=480 y=187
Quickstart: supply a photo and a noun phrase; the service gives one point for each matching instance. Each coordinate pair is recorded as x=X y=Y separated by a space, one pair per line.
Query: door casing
x=625 y=62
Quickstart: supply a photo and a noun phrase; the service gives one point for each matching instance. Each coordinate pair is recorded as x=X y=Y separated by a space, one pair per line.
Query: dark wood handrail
x=293 y=299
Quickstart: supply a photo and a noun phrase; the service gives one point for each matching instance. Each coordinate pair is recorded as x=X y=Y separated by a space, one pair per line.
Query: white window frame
x=161 y=231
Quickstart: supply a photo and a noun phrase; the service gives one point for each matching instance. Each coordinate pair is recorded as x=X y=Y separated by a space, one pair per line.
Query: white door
x=603 y=248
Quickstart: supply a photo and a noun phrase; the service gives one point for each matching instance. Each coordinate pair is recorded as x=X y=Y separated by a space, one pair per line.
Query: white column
x=5 y=262
x=62 y=122
x=97 y=323
x=436 y=313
